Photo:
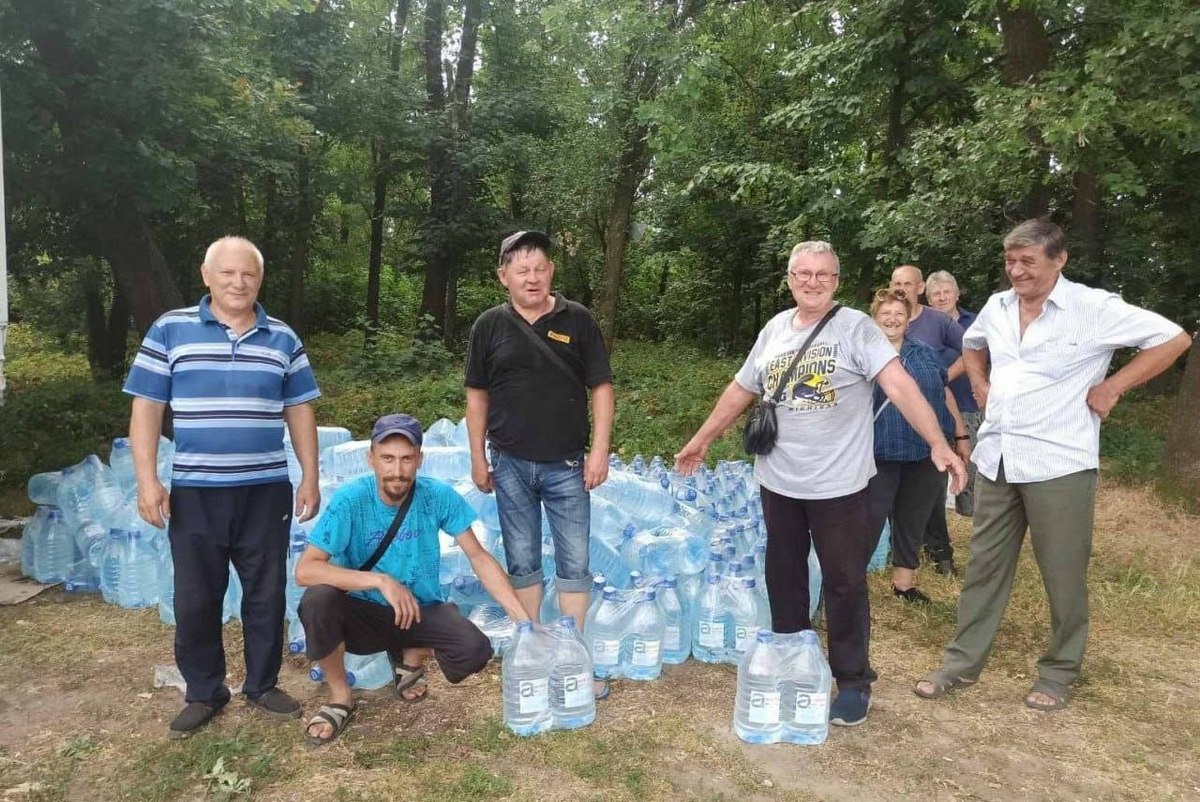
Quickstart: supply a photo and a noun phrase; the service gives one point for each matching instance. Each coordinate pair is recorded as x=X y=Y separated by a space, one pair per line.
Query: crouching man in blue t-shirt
x=397 y=605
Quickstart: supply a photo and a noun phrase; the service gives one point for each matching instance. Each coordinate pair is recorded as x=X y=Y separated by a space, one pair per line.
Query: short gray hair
x=1037 y=231
x=232 y=240
x=815 y=246
x=941 y=277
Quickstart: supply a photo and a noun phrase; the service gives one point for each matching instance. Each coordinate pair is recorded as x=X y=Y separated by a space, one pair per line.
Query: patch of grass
x=162 y=769
x=489 y=736
x=80 y=746
x=399 y=753
x=1133 y=438
x=475 y=782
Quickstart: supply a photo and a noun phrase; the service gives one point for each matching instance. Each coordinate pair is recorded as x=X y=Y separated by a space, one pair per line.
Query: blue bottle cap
x=765 y=636
x=648 y=595
x=809 y=637
x=668 y=582
x=713 y=579
x=525 y=626
x=610 y=593
x=567 y=621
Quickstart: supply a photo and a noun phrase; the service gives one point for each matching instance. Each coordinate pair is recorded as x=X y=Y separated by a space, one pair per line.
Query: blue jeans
x=523 y=487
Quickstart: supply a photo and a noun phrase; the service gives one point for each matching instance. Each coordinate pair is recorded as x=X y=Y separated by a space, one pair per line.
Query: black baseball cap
x=397 y=423
x=514 y=241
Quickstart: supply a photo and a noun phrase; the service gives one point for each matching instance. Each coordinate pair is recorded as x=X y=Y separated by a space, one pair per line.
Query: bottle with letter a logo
x=572 y=700
x=525 y=680
x=603 y=630
x=806 y=691
x=757 y=710
x=642 y=655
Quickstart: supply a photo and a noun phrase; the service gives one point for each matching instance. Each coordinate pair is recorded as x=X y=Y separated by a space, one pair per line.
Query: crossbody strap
x=787 y=374
x=391 y=532
x=546 y=350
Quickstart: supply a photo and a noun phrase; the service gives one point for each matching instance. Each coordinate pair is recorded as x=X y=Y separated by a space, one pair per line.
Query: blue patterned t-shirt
x=356 y=519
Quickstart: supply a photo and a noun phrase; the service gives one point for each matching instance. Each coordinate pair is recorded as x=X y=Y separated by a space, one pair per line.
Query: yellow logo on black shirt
x=562 y=338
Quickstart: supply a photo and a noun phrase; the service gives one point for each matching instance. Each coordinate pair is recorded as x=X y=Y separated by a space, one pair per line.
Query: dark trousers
x=840 y=531
x=332 y=617
x=209 y=527
x=907 y=492
x=937 y=533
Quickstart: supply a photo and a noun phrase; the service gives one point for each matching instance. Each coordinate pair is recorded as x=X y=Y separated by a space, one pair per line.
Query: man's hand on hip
x=595 y=470
x=1102 y=398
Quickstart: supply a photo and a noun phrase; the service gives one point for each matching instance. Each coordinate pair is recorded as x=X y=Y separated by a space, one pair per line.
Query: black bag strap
x=546 y=350
x=787 y=374
x=391 y=532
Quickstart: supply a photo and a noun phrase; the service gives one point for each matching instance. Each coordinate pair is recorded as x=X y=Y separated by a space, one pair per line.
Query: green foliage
x=1133 y=438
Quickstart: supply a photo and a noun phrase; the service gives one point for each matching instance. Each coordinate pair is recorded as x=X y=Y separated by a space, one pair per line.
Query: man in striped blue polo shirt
x=233 y=377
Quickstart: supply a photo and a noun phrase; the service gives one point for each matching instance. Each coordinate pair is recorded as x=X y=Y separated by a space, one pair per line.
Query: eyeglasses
x=805 y=276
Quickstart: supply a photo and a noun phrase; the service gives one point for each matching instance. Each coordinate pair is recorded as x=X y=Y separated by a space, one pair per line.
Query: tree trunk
x=118 y=331
x=635 y=160
x=1181 y=461
x=1027 y=54
x=437 y=264
x=137 y=264
x=1087 y=229
x=302 y=230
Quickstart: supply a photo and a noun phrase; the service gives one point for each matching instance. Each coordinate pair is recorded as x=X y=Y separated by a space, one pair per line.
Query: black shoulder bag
x=546 y=350
x=391 y=532
x=761 y=427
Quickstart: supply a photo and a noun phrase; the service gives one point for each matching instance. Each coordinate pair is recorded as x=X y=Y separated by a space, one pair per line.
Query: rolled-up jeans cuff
x=526 y=581
x=573 y=585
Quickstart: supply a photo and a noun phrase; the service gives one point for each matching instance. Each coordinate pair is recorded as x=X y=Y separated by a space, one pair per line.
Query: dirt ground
x=79 y=718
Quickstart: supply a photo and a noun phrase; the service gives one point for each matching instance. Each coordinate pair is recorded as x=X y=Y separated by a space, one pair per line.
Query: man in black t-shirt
x=530 y=364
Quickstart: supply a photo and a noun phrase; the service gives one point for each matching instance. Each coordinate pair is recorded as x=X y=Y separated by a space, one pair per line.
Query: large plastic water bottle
x=120 y=459
x=468 y=591
x=604 y=631
x=747 y=615
x=644 y=501
x=525 y=682
x=105 y=496
x=596 y=596
x=641 y=648
x=757 y=709
x=231 y=607
x=166 y=588
x=572 y=701
x=293 y=591
x=139 y=573
x=30 y=539
x=54 y=551
x=297 y=642
x=549 y=610
x=370 y=670
x=74 y=494
x=43 y=488
x=710 y=620
x=608 y=521
x=673 y=551
x=484 y=504
x=495 y=624
x=441 y=433
x=677 y=634
x=346 y=460
x=604 y=556
x=806 y=692
x=111 y=560
x=448 y=463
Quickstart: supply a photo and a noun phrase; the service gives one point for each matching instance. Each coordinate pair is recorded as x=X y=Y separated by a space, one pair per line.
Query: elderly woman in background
x=941 y=290
x=814 y=481
x=907 y=486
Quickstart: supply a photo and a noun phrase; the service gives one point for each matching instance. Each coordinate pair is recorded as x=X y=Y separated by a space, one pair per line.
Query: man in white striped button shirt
x=1050 y=342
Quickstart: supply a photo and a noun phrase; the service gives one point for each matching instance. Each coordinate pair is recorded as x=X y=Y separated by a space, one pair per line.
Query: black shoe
x=193 y=717
x=912 y=595
x=276 y=703
x=945 y=567
x=850 y=708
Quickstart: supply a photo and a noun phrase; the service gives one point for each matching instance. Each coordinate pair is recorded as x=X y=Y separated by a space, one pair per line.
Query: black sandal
x=410 y=678
x=335 y=715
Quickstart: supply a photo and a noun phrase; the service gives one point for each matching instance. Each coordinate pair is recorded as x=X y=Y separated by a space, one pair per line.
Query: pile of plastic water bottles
x=678 y=568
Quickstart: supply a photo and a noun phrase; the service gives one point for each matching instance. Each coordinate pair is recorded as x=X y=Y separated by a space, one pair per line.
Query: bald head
x=236 y=248
x=909 y=279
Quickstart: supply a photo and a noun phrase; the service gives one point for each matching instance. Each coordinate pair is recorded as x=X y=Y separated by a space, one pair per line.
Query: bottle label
x=577 y=690
x=646 y=652
x=712 y=634
x=744 y=637
x=812 y=708
x=764 y=707
x=606 y=652
x=671 y=639
x=533 y=695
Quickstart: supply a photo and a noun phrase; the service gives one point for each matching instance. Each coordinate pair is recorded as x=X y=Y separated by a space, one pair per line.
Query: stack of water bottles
x=546 y=679
x=783 y=690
